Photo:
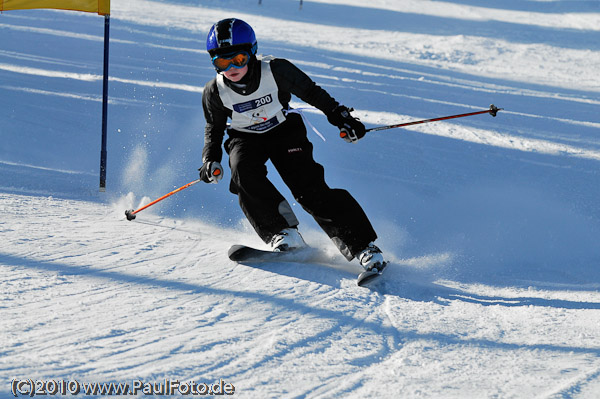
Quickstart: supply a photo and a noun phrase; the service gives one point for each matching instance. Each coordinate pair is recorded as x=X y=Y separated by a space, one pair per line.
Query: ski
x=370 y=276
x=243 y=253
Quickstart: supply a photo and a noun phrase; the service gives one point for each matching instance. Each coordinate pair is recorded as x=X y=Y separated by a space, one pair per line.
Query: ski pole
x=493 y=110
x=130 y=214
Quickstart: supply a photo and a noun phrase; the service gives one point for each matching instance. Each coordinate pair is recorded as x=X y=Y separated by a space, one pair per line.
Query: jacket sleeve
x=216 y=115
x=291 y=79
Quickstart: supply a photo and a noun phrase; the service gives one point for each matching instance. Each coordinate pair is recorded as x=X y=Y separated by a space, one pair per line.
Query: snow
x=491 y=224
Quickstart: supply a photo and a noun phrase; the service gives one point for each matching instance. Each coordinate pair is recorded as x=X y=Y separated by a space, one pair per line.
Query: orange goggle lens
x=237 y=60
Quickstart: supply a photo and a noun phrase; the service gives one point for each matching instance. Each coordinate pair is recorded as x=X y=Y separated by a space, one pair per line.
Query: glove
x=211 y=172
x=351 y=129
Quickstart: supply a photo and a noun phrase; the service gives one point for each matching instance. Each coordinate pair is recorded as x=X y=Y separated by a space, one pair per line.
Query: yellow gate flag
x=101 y=7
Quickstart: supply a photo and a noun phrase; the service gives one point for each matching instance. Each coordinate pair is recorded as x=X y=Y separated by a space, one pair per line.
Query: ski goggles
x=236 y=60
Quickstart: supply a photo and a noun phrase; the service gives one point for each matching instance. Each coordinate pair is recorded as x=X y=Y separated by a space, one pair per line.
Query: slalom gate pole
x=493 y=110
x=130 y=214
x=104 y=105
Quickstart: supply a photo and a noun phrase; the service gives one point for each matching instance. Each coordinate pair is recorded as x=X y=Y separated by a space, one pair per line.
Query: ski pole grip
x=216 y=172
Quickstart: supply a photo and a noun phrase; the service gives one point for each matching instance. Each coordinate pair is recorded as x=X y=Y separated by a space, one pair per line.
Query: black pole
x=104 y=105
x=493 y=110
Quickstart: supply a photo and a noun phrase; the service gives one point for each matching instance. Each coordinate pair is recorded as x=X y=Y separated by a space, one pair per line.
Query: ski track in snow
x=491 y=224
x=94 y=296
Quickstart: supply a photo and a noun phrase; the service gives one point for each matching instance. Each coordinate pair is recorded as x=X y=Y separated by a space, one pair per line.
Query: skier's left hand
x=351 y=129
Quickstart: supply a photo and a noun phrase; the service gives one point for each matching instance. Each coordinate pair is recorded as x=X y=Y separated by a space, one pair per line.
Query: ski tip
x=369 y=276
x=233 y=252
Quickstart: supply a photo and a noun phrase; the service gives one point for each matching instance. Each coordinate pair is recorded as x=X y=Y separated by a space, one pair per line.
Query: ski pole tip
x=129 y=214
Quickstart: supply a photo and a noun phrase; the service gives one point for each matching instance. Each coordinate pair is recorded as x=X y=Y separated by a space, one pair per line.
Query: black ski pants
x=290 y=151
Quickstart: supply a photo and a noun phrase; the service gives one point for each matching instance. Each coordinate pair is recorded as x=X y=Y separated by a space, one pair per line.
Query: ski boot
x=287 y=240
x=372 y=260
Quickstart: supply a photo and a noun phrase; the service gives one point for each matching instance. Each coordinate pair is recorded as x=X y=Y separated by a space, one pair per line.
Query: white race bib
x=258 y=112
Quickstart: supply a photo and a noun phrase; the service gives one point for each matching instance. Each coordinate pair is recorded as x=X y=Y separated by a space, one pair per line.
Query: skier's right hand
x=211 y=172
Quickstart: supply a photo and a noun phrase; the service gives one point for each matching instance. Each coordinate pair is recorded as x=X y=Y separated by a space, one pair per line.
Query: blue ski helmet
x=230 y=35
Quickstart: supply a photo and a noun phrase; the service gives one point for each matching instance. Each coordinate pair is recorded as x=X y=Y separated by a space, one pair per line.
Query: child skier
x=254 y=93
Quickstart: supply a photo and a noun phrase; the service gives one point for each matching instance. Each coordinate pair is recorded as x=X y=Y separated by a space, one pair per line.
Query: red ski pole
x=493 y=110
x=130 y=214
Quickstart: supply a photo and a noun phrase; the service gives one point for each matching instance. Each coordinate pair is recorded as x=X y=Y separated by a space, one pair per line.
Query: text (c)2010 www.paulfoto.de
x=30 y=387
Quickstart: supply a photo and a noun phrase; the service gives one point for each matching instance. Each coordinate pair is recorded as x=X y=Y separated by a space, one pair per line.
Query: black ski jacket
x=290 y=80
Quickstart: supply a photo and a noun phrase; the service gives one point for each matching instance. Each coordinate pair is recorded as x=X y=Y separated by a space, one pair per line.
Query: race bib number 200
x=252 y=104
